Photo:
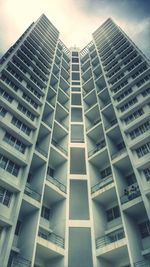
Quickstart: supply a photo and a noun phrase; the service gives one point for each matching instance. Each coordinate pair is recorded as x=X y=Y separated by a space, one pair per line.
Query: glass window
x=112 y=213
x=45 y=213
x=144 y=229
x=75 y=76
x=75 y=60
x=5 y=196
x=75 y=67
x=75 y=54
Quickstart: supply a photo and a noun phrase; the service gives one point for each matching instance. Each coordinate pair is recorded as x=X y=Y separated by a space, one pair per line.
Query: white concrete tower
x=74 y=151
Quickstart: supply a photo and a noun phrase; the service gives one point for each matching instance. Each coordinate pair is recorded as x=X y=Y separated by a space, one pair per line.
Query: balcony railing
x=41 y=151
x=107 y=180
x=142 y=264
x=56 y=239
x=108 y=239
x=118 y=153
x=94 y=123
x=105 y=104
x=32 y=193
x=96 y=149
x=56 y=182
x=131 y=193
x=77 y=140
x=113 y=122
x=20 y=262
x=59 y=147
x=47 y=122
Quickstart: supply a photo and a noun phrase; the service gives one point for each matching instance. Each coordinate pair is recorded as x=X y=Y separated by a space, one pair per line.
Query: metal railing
x=56 y=239
x=96 y=149
x=130 y=194
x=47 y=122
x=113 y=122
x=108 y=239
x=56 y=182
x=32 y=193
x=77 y=140
x=118 y=153
x=105 y=104
x=20 y=262
x=94 y=123
x=107 y=180
x=41 y=151
x=142 y=263
x=59 y=147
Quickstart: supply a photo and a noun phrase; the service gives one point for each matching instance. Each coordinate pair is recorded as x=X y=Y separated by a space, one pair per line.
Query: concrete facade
x=74 y=151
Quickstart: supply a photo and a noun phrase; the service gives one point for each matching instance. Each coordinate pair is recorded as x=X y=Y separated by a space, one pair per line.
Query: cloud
x=75 y=19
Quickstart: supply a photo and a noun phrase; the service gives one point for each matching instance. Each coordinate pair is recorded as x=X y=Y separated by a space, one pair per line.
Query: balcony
x=32 y=193
x=142 y=264
x=57 y=183
x=119 y=153
x=107 y=180
x=53 y=238
x=41 y=151
x=130 y=193
x=97 y=148
x=54 y=143
x=111 y=241
x=20 y=262
x=94 y=123
x=112 y=123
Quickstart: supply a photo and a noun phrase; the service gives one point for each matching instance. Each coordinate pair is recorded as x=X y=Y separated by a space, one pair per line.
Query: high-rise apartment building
x=74 y=151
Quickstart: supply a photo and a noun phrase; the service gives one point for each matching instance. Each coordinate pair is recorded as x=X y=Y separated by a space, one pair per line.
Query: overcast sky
x=76 y=19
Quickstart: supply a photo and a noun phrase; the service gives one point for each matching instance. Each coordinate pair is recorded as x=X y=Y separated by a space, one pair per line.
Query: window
x=75 y=54
x=15 y=74
x=30 y=101
x=75 y=83
x=147 y=173
x=133 y=116
x=120 y=86
x=33 y=91
x=146 y=92
x=131 y=179
x=134 y=65
x=75 y=60
x=24 y=128
x=139 y=72
x=106 y=172
x=5 y=196
x=121 y=75
x=127 y=53
x=76 y=89
x=50 y=171
x=6 y=95
x=140 y=130
x=14 y=142
x=114 y=72
x=130 y=59
x=18 y=227
x=26 y=112
x=142 y=81
x=143 y=150
x=3 y=111
x=75 y=76
x=75 y=67
x=45 y=213
x=9 y=166
x=144 y=228
x=10 y=83
x=129 y=104
x=112 y=213
x=123 y=95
